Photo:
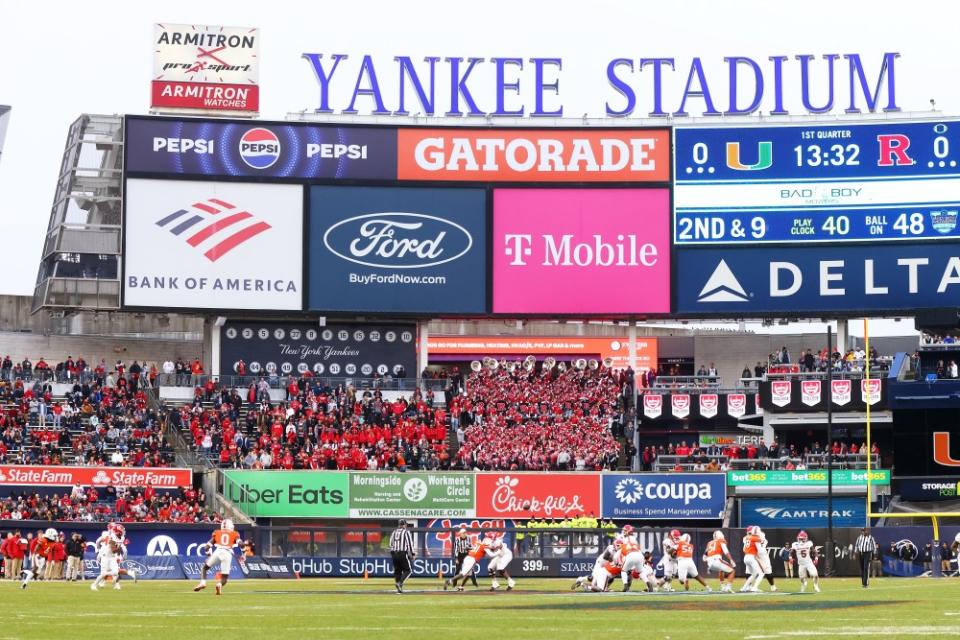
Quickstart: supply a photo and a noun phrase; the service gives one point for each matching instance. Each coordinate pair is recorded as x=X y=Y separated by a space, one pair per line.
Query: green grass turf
x=537 y=610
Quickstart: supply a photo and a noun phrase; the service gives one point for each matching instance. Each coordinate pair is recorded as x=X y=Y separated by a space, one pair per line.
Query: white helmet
x=227 y=524
x=957 y=538
x=718 y=535
x=50 y=534
x=685 y=537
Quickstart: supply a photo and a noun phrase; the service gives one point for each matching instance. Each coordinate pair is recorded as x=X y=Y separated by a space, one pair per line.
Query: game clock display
x=842 y=182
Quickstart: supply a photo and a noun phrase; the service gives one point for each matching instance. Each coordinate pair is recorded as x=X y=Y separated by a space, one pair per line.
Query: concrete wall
x=56 y=348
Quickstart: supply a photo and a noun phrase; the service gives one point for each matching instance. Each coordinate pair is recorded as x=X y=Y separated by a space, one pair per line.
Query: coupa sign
x=663 y=496
x=387 y=249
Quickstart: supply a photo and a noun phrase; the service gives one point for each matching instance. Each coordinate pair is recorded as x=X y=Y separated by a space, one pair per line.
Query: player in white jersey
x=500 y=557
x=763 y=559
x=109 y=548
x=669 y=558
x=628 y=536
x=806 y=555
x=604 y=569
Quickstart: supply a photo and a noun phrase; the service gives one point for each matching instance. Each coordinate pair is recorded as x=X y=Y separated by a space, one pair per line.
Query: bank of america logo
x=214 y=226
x=722 y=286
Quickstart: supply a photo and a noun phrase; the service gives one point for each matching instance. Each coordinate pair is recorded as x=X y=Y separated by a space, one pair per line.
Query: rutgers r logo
x=941 y=450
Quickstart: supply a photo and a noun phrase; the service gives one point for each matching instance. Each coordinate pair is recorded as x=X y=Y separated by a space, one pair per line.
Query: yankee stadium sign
x=515 y=86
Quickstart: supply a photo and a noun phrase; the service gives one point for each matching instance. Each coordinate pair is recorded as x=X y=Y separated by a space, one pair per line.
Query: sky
x=58 y=60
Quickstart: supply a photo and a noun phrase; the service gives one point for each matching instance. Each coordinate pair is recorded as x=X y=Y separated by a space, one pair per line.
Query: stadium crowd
x=87 y=504
x=776 y=456
x=93 y=424
x=528 y=420
x=317 y=426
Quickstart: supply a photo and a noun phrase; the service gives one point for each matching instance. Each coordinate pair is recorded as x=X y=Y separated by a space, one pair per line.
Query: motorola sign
x=383 y=249
x=793 y=280
x=162 y=545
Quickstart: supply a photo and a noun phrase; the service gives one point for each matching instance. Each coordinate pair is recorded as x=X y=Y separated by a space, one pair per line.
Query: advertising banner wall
x=806 y=280
x=294 y=494
x=213 y=245
x=393 y=495
x=664 y=496
x=581 y=251
x=441 y=533
x=801 y=513
x=534 y=495
x=927 y=442
x=617 y=349
x=224 y=148
x=531 y=155
x=730 y=439
x=208 y=67
x=930 y=488
x=398 y=250
x=147 y=567
x=684 y=406
x=810 y=396
x=333 y=350
x=810 y=478
x=865 y=182
x=56 y=476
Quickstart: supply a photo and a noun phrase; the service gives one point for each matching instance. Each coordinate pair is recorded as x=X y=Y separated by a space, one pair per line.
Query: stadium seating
x=524 y=420
x=86 y=504
x=316 y=427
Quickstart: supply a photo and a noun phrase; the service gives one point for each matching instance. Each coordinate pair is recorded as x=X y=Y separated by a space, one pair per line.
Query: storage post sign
x=288 y=494
x=657 y=496
x=399 y=495
x=816 y=478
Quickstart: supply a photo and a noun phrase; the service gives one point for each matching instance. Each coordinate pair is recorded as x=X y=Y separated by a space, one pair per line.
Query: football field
x=538 y=609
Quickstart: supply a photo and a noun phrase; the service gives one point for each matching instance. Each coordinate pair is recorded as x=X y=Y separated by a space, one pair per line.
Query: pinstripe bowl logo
x=214 y=226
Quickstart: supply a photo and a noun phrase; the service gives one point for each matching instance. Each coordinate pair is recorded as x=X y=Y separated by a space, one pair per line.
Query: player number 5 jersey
x=804 y=551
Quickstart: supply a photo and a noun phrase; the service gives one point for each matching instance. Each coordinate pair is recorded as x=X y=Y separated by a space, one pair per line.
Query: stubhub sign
x=811 y=279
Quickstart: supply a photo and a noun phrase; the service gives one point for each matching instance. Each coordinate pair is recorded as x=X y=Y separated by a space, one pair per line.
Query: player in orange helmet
x=466 y=569
x=718 y=559
x=223 y=541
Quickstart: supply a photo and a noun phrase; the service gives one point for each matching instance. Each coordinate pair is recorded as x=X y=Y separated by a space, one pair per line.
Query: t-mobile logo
x=518 y=248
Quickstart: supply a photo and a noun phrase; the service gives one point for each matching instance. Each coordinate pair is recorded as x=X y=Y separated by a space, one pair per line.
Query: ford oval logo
x=394 y=240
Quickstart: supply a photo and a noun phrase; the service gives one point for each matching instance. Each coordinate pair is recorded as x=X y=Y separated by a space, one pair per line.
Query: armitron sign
x=208 y=68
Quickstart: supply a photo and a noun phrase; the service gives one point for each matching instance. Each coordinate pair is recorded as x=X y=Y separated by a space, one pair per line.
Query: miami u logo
x=764 y=157
x=941 y=450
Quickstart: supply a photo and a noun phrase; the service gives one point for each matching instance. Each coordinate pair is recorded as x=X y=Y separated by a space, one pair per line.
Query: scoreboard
x=810 y=183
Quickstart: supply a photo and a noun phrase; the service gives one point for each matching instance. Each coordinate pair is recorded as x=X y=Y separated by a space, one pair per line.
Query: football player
x=719 y=560
x=110 y=550
x=604 y=570
x=42 y=554
x=806 y=554
x=223 y=541
x=500 y=557
x=466 y=569
x=763 y=559
x=686 y=566
x=669 y=558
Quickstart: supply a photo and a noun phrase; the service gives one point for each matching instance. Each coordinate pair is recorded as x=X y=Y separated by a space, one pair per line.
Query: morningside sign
x=514 y=86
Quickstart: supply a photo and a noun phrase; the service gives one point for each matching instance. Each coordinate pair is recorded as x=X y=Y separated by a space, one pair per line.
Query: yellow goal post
x=933 y=515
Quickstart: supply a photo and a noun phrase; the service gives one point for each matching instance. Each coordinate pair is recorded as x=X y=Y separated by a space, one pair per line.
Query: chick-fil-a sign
x=535 y=495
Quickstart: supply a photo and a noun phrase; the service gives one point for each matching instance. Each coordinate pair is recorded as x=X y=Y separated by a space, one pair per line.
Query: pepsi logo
x=259 y=148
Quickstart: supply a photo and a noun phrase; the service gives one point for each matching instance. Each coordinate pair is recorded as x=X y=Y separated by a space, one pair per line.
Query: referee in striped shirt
x=461 y=548
x=402 y=552
x=865 y=547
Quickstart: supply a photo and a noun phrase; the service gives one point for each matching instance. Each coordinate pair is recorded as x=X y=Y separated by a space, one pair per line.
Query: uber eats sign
x=288 y=493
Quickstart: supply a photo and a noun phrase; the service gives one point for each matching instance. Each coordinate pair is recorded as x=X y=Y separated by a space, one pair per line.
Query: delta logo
x=213 y=226
x=259 y=148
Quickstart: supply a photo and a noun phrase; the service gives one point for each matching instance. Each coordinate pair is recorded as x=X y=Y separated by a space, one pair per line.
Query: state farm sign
x=159 y=477
x=535 y=495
